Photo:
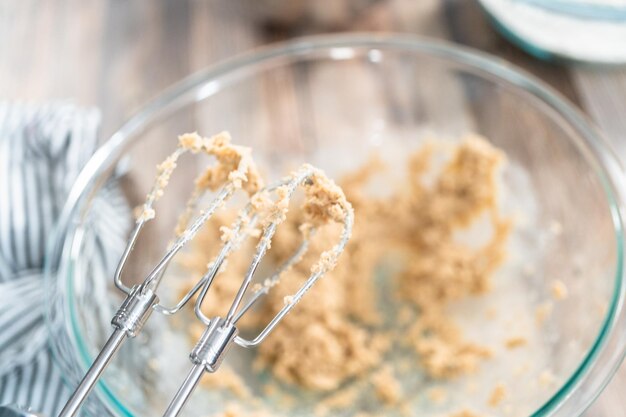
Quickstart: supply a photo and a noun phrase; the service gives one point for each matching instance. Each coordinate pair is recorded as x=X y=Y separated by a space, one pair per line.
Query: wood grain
x=118 y=54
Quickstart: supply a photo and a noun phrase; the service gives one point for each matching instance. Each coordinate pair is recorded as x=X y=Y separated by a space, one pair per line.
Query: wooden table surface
x=118 y=54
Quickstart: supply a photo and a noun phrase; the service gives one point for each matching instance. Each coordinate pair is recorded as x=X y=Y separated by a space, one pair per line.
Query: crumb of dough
x=261 y=201
x=227 y=234
x=271 y=210
x=543 y=311
x=388 y=389
x=281 y=205
x=498 y=394
x=437 y=395
x=515 y=342
x=234 y=163
x=191 y=141
x=143 y=214
x=559 y=290
x=325 y=201
x=334 y=334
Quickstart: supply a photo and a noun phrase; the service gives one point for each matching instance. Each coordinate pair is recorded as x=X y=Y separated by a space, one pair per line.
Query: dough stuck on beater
x=234 y=166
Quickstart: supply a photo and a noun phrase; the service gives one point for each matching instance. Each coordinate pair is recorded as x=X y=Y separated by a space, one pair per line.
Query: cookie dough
x=336 y=333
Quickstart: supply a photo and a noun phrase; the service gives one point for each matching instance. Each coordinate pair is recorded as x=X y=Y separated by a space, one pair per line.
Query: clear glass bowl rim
x=609 y=347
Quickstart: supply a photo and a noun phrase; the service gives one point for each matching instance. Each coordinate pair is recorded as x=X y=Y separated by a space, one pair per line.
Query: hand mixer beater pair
x=259 y=219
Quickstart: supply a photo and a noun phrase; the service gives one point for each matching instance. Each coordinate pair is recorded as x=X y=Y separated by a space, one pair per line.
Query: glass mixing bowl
x=333 y=101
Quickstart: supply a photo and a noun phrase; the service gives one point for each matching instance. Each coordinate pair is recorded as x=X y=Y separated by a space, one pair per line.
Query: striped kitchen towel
x=42 y=150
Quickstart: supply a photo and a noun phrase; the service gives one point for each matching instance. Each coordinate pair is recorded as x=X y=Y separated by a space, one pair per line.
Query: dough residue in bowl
x=338 y=333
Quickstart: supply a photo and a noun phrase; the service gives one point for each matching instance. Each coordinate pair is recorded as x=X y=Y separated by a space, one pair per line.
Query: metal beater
x=141 y=300
x=260 y=212
x=221 y=333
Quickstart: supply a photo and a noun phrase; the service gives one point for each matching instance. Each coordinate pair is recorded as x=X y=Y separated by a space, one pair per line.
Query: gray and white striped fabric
x=42 y=150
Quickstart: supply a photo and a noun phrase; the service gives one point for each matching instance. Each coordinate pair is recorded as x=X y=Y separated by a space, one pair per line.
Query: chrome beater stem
x=206 y=356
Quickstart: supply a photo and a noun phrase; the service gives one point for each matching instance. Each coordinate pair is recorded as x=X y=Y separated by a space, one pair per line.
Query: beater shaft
x=91 y=377
x=206 y=356
x=185 y=391
x=127 y=322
